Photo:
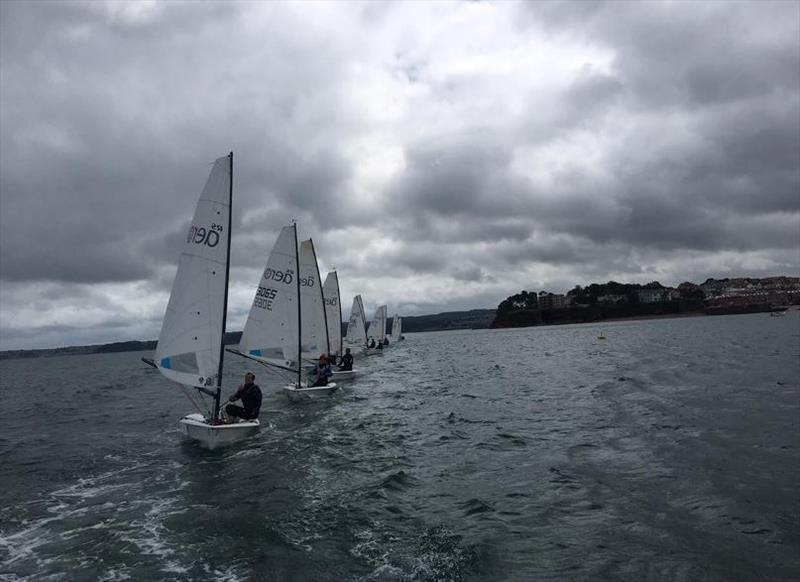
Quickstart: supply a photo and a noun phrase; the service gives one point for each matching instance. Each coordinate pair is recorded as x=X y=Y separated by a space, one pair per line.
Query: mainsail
x=271 y=331
x=377 y=327
x=357 y=324
x=333 y=311
x=190 y=342
x=396 y=328
x=314 y=321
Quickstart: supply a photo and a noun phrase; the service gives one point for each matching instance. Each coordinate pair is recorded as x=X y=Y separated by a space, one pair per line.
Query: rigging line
x=262 y=362
x=278 y=373
x=188 y=395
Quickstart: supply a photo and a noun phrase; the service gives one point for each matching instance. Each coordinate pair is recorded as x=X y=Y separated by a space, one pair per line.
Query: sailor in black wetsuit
x=347 y=361
x=250 y=394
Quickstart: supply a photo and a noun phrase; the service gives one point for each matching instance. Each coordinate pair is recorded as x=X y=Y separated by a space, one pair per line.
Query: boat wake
x=74 y=527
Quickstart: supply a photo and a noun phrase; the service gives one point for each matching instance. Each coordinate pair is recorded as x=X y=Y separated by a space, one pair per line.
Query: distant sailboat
x=397 y=329
x=190 y=346
x=357 y=325
x=333 y=309
x=377 y=330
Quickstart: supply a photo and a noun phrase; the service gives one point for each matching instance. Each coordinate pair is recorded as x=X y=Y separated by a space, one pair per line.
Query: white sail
x=377 y=327
x=333 y=310
x=270 y=333
x=189 y=344
x=396 y=328
x=314 y=322
x=357 y=324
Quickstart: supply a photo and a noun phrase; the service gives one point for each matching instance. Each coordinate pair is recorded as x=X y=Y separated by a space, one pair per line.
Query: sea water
x=668 y=451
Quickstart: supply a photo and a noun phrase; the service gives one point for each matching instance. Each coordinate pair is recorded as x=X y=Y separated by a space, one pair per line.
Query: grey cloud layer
x=486 y=168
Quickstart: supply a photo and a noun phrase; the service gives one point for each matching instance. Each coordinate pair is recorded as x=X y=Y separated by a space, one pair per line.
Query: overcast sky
x=442 y=155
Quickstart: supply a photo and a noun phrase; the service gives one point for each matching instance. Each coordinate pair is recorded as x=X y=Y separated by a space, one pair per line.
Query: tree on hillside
x=691 y=291
x=519 y=302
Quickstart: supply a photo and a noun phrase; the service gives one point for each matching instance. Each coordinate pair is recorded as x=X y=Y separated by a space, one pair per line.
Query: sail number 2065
x=265 y=297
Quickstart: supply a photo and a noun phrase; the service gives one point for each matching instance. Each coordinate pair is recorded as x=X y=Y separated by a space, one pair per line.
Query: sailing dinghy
x=356 y=336
x=377 y=330
x=333 y=310
x=313 y=323
x=190 y=347
x=397 y=328
x=275 y=333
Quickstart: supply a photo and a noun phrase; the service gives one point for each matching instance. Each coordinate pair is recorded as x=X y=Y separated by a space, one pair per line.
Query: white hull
x=373 y=351
x=296 y=394
x=344 y=375
x=214 y=436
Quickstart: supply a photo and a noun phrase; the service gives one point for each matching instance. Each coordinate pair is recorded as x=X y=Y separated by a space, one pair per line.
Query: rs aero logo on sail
x=286 y=276
x=200 y=235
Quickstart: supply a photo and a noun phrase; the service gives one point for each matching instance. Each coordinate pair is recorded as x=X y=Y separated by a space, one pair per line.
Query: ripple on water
x=475 y=506
x=398 y=481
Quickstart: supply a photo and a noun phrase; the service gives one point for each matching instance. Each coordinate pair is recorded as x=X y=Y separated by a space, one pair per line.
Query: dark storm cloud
x=104 y=151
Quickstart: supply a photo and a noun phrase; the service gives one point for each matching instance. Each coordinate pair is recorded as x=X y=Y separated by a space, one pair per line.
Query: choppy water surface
x=669 y=451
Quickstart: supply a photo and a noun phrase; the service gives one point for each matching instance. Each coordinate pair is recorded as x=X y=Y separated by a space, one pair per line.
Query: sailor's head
x=347 y=350
x=249 y=377
x=322 y=358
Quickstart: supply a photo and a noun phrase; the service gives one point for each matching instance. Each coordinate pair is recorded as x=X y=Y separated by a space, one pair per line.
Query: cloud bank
x=443 y=155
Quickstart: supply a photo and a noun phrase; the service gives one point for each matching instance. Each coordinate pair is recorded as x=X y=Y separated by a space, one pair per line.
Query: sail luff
x=322 y=299
x=227 y=279
x=363 y=318
x=299 y=312
x=339 y=320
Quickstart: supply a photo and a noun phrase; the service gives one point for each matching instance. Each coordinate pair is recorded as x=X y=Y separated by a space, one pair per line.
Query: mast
x=321 y=296
x=363 y=319
x=339 y=300
x=299 y=316
x=225 y=300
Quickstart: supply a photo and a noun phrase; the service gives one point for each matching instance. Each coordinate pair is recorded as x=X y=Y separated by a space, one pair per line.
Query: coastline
x=640 y=317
